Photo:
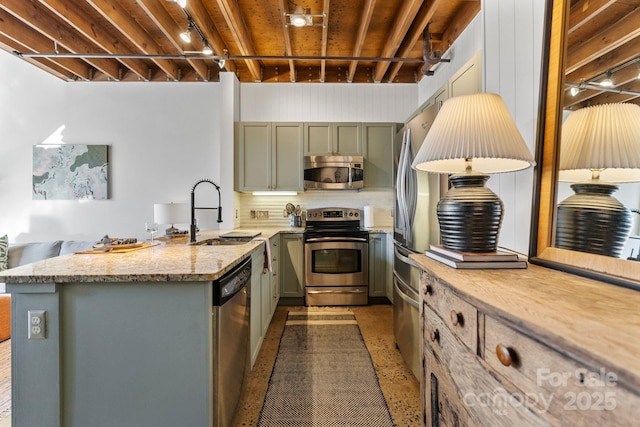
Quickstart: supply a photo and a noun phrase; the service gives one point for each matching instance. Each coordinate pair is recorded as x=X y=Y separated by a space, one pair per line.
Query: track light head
x=186 y=35
x=607 y=82
x=206 y=50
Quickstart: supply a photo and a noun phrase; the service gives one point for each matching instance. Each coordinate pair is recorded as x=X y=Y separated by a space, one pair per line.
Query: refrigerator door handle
x=404 y=294
x=400 y=181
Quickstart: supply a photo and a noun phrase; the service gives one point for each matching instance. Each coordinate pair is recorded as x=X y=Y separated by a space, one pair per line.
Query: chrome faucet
x=194 y=207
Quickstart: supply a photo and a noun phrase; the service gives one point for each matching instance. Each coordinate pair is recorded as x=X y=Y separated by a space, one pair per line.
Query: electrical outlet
x=37 y=324
x=252 y=214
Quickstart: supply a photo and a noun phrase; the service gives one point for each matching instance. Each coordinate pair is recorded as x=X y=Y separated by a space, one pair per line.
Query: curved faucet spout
x=194 y=207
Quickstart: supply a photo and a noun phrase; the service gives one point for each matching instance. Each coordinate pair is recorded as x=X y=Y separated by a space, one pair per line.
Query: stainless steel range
x=336 y=252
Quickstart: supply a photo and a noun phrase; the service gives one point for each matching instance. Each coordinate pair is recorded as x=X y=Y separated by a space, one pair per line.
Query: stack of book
x=475 y=260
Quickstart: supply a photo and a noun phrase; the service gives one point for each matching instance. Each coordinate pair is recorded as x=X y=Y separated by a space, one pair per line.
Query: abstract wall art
x=70 y=172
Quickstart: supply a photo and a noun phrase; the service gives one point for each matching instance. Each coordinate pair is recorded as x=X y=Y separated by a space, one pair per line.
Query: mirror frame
x=541 y=251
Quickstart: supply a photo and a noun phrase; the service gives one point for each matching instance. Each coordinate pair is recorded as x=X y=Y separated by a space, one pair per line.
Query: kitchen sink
x=218 y=242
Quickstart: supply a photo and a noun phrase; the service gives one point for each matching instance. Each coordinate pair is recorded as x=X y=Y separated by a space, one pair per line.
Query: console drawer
x=458 y=314
x=572 y=392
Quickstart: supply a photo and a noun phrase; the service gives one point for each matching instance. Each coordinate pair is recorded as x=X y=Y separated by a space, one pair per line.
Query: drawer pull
x=435 y=335
x=505 y=355
x=456 y=318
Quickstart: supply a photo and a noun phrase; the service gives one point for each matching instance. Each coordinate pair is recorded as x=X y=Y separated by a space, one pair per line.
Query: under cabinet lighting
x=275 y=193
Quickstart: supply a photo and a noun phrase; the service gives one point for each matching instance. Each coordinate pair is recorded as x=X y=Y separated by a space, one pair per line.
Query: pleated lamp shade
x=603 y=137
x=477 y=127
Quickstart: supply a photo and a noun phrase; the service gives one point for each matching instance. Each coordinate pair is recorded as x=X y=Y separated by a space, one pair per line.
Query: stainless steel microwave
x=333 y=172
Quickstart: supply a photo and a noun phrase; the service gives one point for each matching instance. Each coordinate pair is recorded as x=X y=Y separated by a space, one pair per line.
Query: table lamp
x=600 y=147
x=472 y=136
x=171 y=213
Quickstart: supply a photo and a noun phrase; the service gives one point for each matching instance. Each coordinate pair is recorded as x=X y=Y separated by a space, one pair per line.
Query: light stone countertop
x=171 y=261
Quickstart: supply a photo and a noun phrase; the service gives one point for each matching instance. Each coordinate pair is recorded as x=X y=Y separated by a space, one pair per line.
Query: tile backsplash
x=246 y=203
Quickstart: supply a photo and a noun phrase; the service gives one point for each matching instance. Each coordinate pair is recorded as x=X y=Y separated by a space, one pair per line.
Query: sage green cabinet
x=269 y=156
x=322 y=139
x=274 y=243
x=378 y=154
x=291 y=266
x=256 y=335
x=378 y=265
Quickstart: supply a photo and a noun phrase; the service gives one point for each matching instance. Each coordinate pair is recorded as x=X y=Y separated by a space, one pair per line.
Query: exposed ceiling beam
x=169 y=27
x=400 y=27
x=34 y=16
x=427 y=10
x=325 y=38
x=605 y=62
x=584 y=11
x=234 y=19
x=44 y=64
x=124 y=22
x=203 y=18
x=92 y=30
x=612 y=37
x=365 y=21
x=287 y=40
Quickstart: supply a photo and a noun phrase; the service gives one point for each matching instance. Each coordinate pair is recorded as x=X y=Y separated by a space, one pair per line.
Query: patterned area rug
x=323 y=375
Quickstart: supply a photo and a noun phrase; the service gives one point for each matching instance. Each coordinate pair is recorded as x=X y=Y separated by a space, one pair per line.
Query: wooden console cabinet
x=533 y=347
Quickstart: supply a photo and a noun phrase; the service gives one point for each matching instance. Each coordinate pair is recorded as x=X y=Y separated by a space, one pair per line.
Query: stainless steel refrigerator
x=415 y=228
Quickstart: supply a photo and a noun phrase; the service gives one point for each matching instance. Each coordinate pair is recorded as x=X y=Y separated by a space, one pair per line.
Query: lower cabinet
x=378 y=265
x=291 y=266
x=521 y=348
x=264 y=294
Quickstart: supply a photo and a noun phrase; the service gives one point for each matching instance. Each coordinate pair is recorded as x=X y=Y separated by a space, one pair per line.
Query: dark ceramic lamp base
x=470 y=215
x=593 y=221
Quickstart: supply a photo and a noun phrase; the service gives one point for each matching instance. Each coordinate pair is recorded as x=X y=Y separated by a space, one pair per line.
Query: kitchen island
x=128 y=336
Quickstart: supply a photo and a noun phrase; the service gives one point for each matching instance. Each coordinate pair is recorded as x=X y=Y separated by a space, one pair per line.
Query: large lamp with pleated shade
x=599 y=148
x=471 y=137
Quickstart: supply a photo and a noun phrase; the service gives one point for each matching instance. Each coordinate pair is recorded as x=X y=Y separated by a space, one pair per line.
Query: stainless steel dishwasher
x=230 y=340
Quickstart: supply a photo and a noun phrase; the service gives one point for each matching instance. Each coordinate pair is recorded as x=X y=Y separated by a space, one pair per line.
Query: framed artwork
x=70 y=172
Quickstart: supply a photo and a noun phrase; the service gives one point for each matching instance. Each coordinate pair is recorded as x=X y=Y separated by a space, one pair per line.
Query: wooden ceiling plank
x=363 y=28
x=625 y=30
x=584 y=11
x=415 y=33
x=95 y=32
x=400 y=27
x=170 y=29
x=35 y=16
x=241 y=35
x=124 y=22
x=287 y=40
x=458 y=23
x=33 y=41
x=202 y=17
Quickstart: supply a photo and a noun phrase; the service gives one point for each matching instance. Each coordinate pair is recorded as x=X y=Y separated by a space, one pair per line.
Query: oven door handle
x=336 y=239
x=351 y=291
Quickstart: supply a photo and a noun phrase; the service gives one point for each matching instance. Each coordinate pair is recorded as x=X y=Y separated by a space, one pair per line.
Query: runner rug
x=323 y=375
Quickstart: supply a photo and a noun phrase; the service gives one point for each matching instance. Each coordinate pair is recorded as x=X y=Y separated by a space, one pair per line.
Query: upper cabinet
x=268 y=156
x=378 y=154
x=342 y=139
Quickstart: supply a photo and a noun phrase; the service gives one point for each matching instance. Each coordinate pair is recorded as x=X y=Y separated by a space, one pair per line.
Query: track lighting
x=638 y=66
x=186 y=35
x=206 y=50
x=302 y=17
x=607 y=82
x=221 y=63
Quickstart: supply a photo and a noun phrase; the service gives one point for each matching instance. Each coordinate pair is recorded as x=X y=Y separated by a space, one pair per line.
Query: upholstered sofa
x=24 y=253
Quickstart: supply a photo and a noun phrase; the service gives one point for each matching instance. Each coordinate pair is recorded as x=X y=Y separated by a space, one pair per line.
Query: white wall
x=512 y=54
x=162 y=138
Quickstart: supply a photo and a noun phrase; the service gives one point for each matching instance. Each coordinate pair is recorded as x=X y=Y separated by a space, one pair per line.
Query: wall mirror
x=585 y=42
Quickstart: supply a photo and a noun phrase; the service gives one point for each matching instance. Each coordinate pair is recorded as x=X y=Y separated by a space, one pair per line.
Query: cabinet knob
x=505 y=355
x=428 y=289
x=435 y=335
x=456 y=318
